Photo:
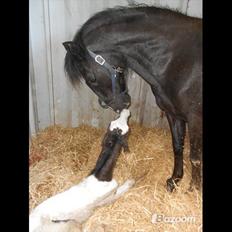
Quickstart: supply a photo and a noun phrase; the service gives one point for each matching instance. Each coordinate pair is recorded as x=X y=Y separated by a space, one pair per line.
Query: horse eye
x=93 y=79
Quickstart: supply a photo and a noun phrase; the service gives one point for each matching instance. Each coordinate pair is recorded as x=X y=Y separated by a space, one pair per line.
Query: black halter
x=114 y=72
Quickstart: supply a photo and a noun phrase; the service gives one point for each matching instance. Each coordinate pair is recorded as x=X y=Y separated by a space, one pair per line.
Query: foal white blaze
x=121 y=122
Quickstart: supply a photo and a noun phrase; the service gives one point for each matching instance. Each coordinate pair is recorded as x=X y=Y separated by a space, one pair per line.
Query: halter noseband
x=113 y=71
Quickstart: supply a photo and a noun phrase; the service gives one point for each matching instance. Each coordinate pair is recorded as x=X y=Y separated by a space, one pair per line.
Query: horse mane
x=119 y=14
x=74 y=63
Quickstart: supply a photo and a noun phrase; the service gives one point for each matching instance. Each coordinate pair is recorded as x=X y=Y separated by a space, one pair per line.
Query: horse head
x=103 y=73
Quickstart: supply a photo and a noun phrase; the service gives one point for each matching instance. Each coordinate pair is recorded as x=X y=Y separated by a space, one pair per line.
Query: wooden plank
x=40 y=66
x=135 y=86
x=195 y=8
x=32 y=103
x=32 y=120
x=49 y=59
x=61 y=90
x=82 y=98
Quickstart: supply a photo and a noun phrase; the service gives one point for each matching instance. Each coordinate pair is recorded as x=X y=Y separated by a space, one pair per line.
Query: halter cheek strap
x=113 y=71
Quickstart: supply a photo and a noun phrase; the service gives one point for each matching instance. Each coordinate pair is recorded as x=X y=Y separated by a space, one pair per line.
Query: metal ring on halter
x=113 y=70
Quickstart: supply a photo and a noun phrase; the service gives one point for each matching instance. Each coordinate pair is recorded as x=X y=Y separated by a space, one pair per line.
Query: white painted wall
x=52 y=98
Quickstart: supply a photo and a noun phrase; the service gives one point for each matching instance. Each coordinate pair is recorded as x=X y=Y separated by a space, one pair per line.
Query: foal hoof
x=171 y=185
x=125 y=187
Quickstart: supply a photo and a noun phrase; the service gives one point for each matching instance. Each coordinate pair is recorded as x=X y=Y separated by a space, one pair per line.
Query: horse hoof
x=171 y=185
x=196 y=163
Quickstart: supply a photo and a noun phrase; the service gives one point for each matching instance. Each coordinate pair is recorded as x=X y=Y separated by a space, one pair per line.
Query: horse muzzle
x=117 y=104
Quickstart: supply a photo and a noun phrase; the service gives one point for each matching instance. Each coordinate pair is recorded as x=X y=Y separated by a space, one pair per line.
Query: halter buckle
x=99 y=59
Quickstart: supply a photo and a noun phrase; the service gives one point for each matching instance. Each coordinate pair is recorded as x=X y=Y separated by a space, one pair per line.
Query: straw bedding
x=62 y=157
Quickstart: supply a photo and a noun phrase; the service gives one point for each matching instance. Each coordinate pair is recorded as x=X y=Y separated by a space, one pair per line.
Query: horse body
x=165 y=49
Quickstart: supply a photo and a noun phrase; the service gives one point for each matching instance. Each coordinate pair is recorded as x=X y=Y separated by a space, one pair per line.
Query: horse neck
x=134 y=39
x=132 y=48
x=120 y=49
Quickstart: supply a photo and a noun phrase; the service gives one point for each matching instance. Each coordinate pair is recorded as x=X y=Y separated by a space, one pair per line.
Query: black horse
x=165 y=49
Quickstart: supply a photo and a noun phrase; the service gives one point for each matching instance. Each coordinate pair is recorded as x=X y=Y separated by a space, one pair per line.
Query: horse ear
x=68 y=46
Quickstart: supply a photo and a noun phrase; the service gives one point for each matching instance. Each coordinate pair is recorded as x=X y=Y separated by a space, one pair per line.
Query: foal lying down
x=77 y=204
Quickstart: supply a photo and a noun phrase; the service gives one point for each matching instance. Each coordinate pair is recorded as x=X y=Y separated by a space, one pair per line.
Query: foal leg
x=195 y=135
x=178 y=129
x=120 y=191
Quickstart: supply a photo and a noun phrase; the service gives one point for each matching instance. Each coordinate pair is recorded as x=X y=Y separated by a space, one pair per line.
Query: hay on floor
x=62 y=157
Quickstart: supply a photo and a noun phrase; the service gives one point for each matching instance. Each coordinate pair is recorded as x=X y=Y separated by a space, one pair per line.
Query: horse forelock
x=74 y=61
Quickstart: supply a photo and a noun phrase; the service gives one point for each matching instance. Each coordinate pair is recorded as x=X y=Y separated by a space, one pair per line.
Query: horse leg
x=195 y=135
x=178 y=129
